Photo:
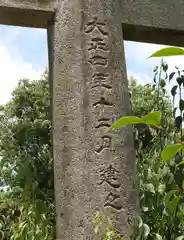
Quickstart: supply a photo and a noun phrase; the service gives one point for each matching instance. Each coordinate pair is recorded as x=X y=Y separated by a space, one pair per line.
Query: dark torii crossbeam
x=94 y=169
x=151 y=21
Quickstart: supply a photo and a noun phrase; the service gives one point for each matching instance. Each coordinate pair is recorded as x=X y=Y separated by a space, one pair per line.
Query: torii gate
x=94 y=169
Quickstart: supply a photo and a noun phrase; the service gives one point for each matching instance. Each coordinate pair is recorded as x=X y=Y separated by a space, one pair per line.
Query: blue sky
x=23 y=54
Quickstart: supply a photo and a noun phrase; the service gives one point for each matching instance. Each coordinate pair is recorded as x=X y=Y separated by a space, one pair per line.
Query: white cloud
x=12 y=69
x=142 y=68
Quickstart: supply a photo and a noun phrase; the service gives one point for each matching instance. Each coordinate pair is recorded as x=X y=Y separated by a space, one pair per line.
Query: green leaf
x=109 y=234
x=181 y=163
x=140 y=222
x=155 y=78
x=168 y=51
x=180 y=238
x=40 y=207
x=150 y=187
x=126 y=121
x=165 y=66
x=158 y=237
x=171 y=76
x=162 y=83
x=172 y=205
x=173 y=90
x=153 y=118
x=181 y=104
x=179 y=80
x=146 y=230
x=1 y=235
x=97 y=221
x=155 y=69
x=145 y=209
x=169 y=151
x=22 y=224
x=178 y=121
x=161 y=188
x=24 y=230
x=168 y=196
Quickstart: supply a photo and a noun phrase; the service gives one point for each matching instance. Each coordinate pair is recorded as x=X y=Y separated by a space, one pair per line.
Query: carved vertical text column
x=93 y=168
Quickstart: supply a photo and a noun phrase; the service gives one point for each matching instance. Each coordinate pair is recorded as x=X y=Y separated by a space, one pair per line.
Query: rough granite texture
x=29 y=13
x=83 y=152
x=29 y=4
x=154 y=21
x=167 y=14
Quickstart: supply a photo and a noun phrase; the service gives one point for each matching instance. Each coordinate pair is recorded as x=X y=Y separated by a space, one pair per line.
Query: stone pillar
x=93 y=168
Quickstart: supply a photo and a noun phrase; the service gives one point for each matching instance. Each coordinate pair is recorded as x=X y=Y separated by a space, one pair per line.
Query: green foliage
x=160 y=182
x=26 y=162
x=33 y=223
x=126 y=121
x=153 y=118
x=145 y=98
x=23 y=220
x=170 y=151
x=104 y=227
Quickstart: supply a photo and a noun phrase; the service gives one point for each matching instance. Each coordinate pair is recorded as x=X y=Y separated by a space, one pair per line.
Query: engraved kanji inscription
x=102 y=102
x=104 y=142
x=104 y=122
x=100 y=79
x=98 y=43
x=98 y=60
x=129 y=220
x=110 y=175
x=113 y=200
x=95 y=24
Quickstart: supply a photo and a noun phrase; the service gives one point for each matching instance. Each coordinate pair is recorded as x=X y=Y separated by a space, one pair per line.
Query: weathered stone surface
x=153 y=21
x=29 y=13
x=149 y=34
x=93 y=169
x=27 y=4
x=165 y=14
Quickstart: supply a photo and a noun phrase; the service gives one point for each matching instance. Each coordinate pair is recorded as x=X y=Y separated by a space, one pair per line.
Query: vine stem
x=181 y=134
x=159 y=81
x=161 y=128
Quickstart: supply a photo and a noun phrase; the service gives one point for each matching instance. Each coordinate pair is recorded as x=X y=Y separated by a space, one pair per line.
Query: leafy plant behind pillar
x=160 y=168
